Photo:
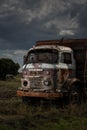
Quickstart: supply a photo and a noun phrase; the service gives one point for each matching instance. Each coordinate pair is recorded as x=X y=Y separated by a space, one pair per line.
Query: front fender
x=70 y=82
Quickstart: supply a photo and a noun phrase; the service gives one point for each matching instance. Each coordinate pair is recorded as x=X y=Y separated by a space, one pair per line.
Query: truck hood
x=39 y=66
x=46 y=66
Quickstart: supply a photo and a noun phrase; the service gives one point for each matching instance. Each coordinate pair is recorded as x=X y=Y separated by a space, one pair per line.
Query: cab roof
x=57 y=47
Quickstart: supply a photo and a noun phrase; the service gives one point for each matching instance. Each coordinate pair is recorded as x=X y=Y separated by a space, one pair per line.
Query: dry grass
x=14 y=115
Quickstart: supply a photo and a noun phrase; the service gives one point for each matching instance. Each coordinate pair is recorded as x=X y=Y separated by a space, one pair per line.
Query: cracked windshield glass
x=43 y=56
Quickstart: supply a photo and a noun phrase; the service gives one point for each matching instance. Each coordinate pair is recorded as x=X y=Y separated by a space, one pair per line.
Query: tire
x=75 y=95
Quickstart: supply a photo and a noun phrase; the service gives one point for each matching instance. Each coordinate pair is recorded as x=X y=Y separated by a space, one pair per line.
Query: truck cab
x=47 y=71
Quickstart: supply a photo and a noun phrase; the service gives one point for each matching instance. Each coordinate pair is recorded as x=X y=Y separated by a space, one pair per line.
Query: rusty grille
x=33 y=73
x=36 y=82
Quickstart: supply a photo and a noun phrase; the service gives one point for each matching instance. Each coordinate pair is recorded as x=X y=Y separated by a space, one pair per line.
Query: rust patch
x=64 y=74
x=39 y=94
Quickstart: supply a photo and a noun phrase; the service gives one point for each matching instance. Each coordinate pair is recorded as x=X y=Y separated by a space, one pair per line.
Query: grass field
x=15 y=115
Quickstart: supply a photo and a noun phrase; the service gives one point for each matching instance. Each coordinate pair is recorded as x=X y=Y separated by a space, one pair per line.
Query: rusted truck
x=55 y=69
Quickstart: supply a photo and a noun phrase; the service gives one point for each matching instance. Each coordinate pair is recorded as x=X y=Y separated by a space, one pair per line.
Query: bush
x=7 y=66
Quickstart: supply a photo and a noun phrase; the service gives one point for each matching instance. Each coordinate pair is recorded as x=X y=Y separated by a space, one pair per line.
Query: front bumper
x=39 y=94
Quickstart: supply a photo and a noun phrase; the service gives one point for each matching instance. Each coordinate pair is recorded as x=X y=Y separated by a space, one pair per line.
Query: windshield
x=43 y=56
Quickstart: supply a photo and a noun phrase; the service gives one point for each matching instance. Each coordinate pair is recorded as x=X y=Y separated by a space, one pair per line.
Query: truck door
x=67 y=67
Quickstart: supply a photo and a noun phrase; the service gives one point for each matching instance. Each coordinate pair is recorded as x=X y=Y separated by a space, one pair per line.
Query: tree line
x=7 y=66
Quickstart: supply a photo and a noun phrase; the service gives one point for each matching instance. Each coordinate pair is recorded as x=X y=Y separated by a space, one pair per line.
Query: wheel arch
x=73 y=82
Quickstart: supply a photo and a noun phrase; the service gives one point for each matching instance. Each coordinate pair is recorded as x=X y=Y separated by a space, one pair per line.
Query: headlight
x=47 y=83
x=25 y=83
x=47 y=72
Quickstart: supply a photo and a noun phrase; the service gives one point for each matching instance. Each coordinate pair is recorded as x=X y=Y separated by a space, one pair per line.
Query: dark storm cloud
x=22 y=22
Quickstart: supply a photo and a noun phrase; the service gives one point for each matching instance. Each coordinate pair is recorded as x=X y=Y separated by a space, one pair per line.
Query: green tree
x=7 y=66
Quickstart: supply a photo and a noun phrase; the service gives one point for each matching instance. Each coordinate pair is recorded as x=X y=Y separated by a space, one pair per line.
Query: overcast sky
x=22 y=22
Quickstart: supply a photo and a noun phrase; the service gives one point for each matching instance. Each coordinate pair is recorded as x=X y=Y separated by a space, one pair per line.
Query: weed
x=15 y=115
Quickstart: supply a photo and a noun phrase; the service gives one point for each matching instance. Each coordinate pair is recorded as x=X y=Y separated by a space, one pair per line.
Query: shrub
x=7 y=66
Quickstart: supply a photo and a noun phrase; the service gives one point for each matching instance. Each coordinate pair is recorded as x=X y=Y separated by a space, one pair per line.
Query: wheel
x=75 y=95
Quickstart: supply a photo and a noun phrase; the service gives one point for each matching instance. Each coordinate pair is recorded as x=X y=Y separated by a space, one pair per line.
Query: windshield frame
x=49 y=59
